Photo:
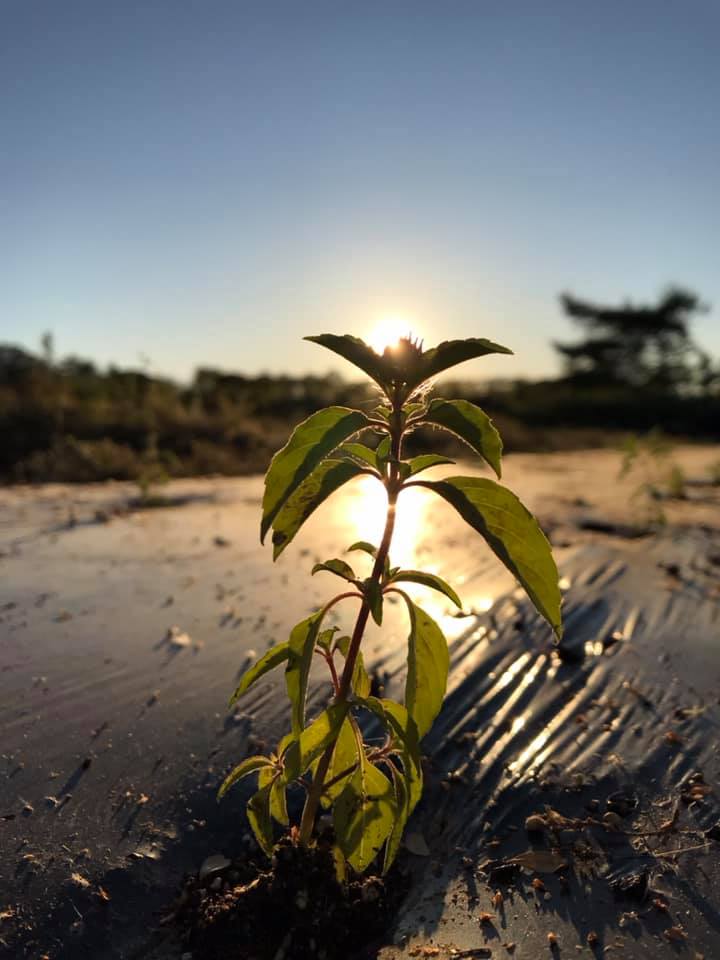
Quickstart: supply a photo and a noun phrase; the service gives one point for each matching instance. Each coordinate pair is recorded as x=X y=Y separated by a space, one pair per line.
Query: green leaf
x=273 y=658
x=338 y=567
x=361 y=683
x=409 y=409
x=360 y=679
x=427 y=668
x=343 y=645
x=357 y=352
x=368 y=548
x=258 y=814
x=449 y=354
x=469 y=423
x=365 y=546
x=244 y=769
x=374 y=596
x=360 y=452
x=300 y=648
x=512 y=533
x=311 y=441
x=407 y=364
x=325 y=638
x=328 y=477
x=398 y=722
x=344 y=758
x=408 y=785
x=402 y=806
x=427 y=580
x=383 y=450
x=278 y=802
x=278 y=797
x=364 y=814
x=424 y=461
x=313 y=740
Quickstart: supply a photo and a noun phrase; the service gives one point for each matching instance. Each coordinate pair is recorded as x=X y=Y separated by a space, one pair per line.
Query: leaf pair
x=407 y=366
x=297 y=755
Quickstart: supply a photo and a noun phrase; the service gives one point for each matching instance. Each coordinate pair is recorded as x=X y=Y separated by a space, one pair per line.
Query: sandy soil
x=115 y=734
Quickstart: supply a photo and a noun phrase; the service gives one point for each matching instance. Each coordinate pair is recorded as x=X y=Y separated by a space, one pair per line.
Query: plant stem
x=393 y=486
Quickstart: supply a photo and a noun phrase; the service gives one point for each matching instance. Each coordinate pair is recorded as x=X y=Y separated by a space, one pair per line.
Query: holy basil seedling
x=372 y=789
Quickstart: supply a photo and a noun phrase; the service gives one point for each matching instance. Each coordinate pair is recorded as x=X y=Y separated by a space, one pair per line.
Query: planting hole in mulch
x=294 y=910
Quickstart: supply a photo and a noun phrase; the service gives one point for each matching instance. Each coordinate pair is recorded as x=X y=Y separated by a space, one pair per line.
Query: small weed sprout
x=372 y=788
x=152 y=474
x=714 y=473
x=650 y=460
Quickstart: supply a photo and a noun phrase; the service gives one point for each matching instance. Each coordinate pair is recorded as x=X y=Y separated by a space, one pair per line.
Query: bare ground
x=115 y=734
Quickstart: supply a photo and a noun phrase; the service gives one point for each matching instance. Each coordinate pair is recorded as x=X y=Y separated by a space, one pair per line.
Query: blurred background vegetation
x=632 y=369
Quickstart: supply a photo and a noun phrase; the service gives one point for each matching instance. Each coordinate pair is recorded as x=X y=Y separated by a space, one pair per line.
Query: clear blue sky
x=205 y=182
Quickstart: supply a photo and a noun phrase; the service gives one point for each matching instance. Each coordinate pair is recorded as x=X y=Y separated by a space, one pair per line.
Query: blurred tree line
x=636 y=368
x=67 y=420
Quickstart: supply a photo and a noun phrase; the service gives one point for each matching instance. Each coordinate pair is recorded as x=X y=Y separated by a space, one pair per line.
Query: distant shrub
x=70 y=460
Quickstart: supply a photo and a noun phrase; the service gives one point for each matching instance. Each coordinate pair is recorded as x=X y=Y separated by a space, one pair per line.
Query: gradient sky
x=205 y=182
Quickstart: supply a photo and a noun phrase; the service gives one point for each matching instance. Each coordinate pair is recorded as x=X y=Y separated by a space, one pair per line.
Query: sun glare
x=388 y=333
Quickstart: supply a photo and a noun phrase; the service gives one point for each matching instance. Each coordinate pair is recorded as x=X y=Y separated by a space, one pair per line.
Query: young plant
x=372 y=789
x=650 y=460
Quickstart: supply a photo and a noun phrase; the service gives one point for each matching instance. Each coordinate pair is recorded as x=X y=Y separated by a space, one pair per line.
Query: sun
x=388 y=332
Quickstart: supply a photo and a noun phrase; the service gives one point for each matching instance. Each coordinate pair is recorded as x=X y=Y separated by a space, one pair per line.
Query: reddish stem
x=393 y=485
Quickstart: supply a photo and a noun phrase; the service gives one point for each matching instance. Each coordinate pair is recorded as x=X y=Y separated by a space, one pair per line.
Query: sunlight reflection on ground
x=420 y=518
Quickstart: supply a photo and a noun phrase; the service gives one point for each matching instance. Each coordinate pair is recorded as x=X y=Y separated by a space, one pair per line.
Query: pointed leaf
x=338 y=567
x=273 y=658
x=325 y=638
x=364 y=814
x=449 y=354
x=278 y=798
x=361 y=683
x=344 y=760
x=398 y=722
x=328 y=477
x=374 y=596
x=368 y=548
x=512 y=533
x=428 y=580
x=343 y=645
x=311 y=441
x=357 y=352
x=313 y=740
x=427 y=668
x=278 y=802
x=408 y=784
x=248 y=766
x=383 y=450
x=258 y=814
x=365 y=546
x=401 y=818
x=471 y=424
x=300 y=648
x=409 y=409
x=425 y=461
x=360 y=452
x=360 y=680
